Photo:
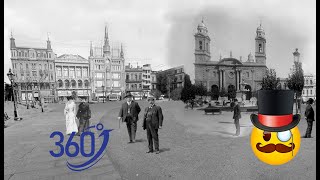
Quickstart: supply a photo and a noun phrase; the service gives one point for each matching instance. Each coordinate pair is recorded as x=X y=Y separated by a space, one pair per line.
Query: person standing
x=129 y=113
x=152 y=121
x=70 y=113
x=84 y=115
x=309 y=115
x=236 y=116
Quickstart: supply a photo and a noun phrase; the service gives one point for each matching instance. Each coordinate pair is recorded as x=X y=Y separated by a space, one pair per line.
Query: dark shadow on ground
x=141 y=140
x=226 y=122
x=164 y=149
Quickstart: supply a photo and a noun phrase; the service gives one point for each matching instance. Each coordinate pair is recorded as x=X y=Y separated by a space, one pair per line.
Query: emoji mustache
x=269 y=148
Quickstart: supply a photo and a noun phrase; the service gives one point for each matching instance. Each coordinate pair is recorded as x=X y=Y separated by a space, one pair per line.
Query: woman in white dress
x=70 y=113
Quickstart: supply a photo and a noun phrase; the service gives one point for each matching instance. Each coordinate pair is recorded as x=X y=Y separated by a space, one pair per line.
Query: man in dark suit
x=84 y=115
x=236 y=116
x=309 y=115
x=129 y=113
x=152 y=121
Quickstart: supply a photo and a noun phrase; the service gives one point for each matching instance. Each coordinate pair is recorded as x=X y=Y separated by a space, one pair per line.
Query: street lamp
x=11 y=78
x=103 y=92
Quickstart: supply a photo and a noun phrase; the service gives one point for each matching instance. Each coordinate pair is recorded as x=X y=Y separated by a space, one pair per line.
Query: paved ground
x=192 y=145
x=27 y=145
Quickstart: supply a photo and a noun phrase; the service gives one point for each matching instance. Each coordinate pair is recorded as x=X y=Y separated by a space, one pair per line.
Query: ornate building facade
x=227 y=73
x=34 y=72
x=72 y=74
x=107 y=69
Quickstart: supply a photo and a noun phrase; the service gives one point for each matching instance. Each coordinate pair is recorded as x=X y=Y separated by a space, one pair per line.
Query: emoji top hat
x=275 y=111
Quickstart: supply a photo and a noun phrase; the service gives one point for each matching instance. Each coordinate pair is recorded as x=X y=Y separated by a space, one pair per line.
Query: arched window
x=86 y=83
x=79 y=84
x=73 y=83
x=200 y=45
x=260 y=48
x=67 y=84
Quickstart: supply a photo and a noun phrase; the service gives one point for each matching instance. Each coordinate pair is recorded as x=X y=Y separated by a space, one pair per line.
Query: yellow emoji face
x=275 y=148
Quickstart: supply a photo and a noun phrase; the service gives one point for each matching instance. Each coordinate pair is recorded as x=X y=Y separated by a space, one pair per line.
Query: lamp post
x=11 y=78
x=103 y=92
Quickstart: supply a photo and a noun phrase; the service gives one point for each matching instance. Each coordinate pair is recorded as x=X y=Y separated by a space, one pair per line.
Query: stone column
x=220 y=79
x=223 y=78
x=236 y=78
x=253 y=85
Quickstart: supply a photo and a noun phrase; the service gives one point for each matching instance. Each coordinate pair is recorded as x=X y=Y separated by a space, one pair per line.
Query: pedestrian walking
x=309 y=115
x=152 y=121
x=129 y=113
x=70 y=113
x=84 y=115
x=236 y=116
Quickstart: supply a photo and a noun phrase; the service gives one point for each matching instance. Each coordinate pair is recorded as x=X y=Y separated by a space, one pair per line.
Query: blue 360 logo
x=80 y=148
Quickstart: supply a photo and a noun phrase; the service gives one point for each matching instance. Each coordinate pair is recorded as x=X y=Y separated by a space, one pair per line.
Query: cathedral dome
x=260 y=29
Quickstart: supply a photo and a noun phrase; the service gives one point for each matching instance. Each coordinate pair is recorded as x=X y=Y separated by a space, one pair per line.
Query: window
x=21 y=66
x=99 y=83
x=40 y=66
x=307 y=82
x=49 y=55
x=65 y=72
x=45 y=66
x=115 y=83
x=307 y=92
x=117 y=76
x=310 y=82
x=200 y=45
x=59 y=71
x=27 y=67
x=303 y=92
x=84 y=72
x=50 y=66
x=247 y=74
x=78 y=72
x=72 y=72
x=34 y=73
x=260 y=48
x=310 y=91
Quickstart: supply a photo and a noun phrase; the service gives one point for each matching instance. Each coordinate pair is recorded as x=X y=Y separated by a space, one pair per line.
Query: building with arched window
x=72 y=74
x=229 y=73
x=34 y=72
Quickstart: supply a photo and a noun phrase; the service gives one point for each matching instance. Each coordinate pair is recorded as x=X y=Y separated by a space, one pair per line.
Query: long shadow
x=225 y=122
x=141 y=140
x=164 y=149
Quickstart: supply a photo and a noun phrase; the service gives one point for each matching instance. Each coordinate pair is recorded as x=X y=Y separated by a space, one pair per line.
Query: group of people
x=83 y=114
x=152 y=121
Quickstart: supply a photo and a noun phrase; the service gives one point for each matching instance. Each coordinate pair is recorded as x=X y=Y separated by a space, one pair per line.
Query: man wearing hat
x=152 y=121
x=309 y=115
x=236 y=116
x=129 y=113
x=275 y=111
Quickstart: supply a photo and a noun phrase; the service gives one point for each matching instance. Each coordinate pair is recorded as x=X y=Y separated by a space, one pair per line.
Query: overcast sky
x=161 y=32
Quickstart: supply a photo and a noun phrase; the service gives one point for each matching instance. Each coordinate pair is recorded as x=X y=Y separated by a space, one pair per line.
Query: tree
x=188 y=93
x=155 y=93
x=232 y=92
x=270 y=80
x=176 y=94
x=214 y=93
x=223 y=92
x=295 y=82
x=200 y=90
x=162 y=82
x=187 y=81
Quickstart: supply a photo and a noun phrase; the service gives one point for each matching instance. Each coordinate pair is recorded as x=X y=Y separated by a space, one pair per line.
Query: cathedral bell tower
x=202 y=44
x=260 y=46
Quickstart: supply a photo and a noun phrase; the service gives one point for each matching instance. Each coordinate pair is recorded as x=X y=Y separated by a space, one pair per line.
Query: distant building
x=107 y=69
x=309 y=89
x=72 y=74
x=230 y=72
x=134 y=80
x=175 y=76
x=34 y=72
x=153 y=80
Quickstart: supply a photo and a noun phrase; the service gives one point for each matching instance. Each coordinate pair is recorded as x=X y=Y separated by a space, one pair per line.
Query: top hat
x=128 y=95
x=310 y=101
x=275 y=111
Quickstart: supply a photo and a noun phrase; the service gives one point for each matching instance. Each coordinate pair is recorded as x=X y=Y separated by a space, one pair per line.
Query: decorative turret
x=121 y=52
x=260 y=53
x=48 y=44
x=106 y=46
x=12 y=42
x=91 y=50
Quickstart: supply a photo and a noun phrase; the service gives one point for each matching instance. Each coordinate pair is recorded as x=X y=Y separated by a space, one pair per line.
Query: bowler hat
x=151 y=99
x=128 y=95
x=310 y=101
x=275 y=111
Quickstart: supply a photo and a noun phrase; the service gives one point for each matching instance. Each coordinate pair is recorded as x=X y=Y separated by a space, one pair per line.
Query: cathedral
x=229 y=73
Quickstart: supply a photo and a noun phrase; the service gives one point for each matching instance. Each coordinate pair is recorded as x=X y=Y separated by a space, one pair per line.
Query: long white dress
x=70 y=113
